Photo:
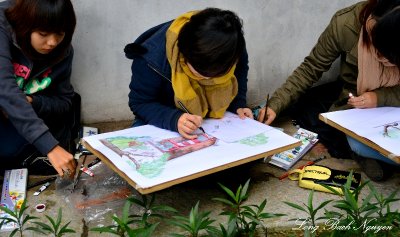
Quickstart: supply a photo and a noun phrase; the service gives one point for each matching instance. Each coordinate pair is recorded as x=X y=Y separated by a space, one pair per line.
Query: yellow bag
x=313 y=176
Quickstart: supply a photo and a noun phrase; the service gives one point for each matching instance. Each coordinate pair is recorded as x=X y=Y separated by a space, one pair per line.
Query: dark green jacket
x=339 y=39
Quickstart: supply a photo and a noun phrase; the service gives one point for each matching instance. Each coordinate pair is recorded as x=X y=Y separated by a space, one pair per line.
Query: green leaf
x=262 y=206
x=350 y=199
x=178 y=235
x=9 y=220
x=28 y=218
x=125 y=212
x=323 y=204
x=136 y=201
x=8 y=211
x=44 y=226
x=225 y=201
x=248 y=209
x=105 y=230
x=120 y=223
x=228 y=191
x=270 y=215
x=238 y=195
x=65 y=229
x=296 y=206
x=310 y=201
x=53 y=223
x=13 y=232
x=59 y=217
x=38 y=230
x=143 y=232
x=243 y=195
x=153 y=198
x=163 y=208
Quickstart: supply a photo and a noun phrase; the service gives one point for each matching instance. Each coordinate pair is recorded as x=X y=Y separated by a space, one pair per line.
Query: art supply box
x=287 y=159
x=13 y=193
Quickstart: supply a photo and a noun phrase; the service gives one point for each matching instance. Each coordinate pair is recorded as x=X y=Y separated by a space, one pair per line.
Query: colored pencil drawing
x=391 y=130
x=149 y=156
x=148 y=165
x=256 y=140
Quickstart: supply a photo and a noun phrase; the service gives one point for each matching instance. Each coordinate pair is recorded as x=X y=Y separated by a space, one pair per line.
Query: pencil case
x=311 y=177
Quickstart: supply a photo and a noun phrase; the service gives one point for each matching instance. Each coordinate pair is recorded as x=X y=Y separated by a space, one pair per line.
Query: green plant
x=54 y=228
x=122 y=226
x=311 y=212
x=382 y=202
x=194 y=223
x=18 y=217
x=246 y=217
x=230 y=231
x=356 y=218
x=149 y=210
x=387 y=217
x=136 y=225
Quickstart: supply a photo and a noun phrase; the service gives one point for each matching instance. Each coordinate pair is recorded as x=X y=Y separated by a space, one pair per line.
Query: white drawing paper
x=136 y=152
x=231 y=128
x=380 y=125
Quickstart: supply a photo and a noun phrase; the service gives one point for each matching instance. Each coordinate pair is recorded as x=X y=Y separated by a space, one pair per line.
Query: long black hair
x=51 y=16
x=212 y=41
x=385 y=35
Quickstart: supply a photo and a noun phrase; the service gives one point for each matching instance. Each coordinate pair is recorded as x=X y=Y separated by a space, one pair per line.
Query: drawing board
x=378 y=128
x=151 y=159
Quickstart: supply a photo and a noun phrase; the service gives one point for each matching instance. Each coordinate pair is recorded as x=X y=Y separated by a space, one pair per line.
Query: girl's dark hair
x=212 y=41
x=52 y=16
x=385 y=35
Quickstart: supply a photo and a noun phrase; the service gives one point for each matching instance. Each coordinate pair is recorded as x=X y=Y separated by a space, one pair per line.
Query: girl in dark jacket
x=197 y=62
x=35 y=88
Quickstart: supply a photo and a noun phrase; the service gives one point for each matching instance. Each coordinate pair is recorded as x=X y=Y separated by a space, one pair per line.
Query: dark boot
x=376 y=170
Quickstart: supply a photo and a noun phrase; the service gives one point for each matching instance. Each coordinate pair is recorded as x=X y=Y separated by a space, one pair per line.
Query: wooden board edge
x=364 y=140
x=189 y=177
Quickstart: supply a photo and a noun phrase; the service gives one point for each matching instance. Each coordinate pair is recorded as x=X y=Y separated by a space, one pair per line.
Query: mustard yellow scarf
x=204 y=97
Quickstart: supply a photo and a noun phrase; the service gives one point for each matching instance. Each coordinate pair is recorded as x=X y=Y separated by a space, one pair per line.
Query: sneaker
x=375 y=170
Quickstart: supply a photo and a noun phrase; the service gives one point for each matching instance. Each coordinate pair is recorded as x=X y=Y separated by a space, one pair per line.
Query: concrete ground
x=105 y=194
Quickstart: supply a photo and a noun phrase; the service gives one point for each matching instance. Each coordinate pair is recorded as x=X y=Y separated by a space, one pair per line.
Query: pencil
x=285 y=175
x=187 y=111
x=266 y=106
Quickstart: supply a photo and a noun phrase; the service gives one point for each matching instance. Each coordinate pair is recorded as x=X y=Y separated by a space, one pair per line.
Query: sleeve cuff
x=45 y=143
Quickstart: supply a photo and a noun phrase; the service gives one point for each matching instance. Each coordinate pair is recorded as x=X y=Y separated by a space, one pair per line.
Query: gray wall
x=279 y=34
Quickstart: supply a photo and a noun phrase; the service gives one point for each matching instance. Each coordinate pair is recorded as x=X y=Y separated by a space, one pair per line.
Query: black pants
x=306 y=110
x=16 y=152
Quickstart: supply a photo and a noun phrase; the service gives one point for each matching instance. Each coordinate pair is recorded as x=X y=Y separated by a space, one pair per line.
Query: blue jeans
x=365 y=151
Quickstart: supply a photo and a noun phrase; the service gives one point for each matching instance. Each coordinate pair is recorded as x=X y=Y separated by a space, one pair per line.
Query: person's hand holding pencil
x=189 y=123
x=266 y=115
